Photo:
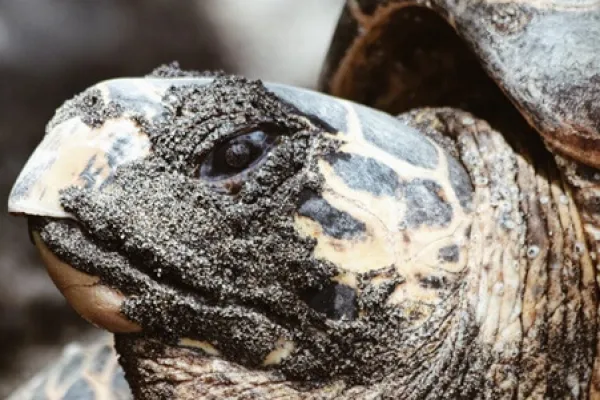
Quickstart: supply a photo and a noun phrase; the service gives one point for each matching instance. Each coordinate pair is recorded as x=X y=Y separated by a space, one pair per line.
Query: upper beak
x=74 y=154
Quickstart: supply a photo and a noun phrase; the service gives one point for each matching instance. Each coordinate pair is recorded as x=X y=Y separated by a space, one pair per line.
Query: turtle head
x=274 y=227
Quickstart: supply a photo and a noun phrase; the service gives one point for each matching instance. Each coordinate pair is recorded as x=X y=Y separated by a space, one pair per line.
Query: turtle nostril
x=335 y=300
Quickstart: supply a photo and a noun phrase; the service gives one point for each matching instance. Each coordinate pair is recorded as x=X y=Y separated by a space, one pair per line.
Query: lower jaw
x=97 y=303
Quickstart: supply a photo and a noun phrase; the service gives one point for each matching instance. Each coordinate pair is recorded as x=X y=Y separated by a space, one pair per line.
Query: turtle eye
x=237 y=154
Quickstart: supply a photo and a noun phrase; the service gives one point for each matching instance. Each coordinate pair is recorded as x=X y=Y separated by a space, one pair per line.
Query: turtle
x=426 y=226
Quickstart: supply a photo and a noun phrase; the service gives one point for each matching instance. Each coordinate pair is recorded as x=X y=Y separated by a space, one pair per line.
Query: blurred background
x=51 y=50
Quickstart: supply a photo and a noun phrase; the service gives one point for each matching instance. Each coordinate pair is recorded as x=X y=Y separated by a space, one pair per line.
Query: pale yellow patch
x=348 y=279
x=283 y=350
x=198 y=344
x=414 y=251
x=68 y=150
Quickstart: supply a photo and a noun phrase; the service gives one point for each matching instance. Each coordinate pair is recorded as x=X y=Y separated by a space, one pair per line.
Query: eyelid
x=265 y=142
x=241 y=130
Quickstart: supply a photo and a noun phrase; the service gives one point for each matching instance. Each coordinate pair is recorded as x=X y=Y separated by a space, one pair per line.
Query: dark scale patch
x=319 y=107
x=429 y=123
x=433 y=282
x=364 y=173
x=424 y=204
x=397 y=138
x=449 y=254
x=336 y=301
x=461 y=182
x=335 y=223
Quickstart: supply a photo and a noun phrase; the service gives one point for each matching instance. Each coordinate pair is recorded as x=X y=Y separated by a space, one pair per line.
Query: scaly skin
x=521 y=323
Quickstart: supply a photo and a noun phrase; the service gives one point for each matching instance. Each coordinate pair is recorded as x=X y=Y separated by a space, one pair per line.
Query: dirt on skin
x=219 y=261
x=200 y=263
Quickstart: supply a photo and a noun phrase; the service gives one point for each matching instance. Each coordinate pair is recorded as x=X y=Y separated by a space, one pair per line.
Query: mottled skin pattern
x=449 y=254
x=398 y=55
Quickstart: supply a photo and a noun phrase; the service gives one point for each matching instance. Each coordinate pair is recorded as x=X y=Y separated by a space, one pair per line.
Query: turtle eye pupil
x=237 y=155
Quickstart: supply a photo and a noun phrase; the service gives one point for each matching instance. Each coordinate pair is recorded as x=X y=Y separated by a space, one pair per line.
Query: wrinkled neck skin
x=159 y=371
x=521 y=321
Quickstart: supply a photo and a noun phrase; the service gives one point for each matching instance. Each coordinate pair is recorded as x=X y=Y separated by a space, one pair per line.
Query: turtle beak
x=74 y=154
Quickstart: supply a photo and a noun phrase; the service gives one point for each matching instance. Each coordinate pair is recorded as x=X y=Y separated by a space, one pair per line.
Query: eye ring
x=238 y=154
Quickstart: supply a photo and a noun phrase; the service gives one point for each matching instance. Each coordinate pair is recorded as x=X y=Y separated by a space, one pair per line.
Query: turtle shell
x=544 y=55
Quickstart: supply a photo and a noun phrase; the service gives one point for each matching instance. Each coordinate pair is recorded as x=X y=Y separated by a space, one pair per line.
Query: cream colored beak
x=73 y=153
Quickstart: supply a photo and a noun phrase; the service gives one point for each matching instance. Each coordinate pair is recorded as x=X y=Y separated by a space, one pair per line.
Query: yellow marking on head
x=347 y=278
x=357 y=255
x=283 y=350
x=202 y=345
x=413 y=250
x=74 y=154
